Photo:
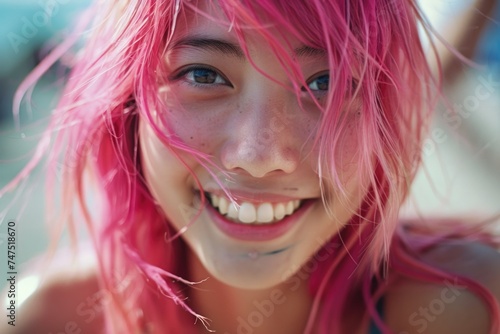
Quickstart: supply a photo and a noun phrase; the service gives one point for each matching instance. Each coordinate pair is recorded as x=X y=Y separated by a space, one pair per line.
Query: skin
x=239 y=104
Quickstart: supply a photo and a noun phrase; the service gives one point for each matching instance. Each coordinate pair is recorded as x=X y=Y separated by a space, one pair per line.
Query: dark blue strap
x=374 y=329
x=380 y=310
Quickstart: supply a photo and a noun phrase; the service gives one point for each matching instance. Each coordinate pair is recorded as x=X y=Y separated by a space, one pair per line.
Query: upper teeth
x=250 y=213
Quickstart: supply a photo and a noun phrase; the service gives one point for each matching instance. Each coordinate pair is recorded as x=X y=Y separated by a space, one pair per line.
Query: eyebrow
x=308 y=51
x=223 y=46
x=211 y=44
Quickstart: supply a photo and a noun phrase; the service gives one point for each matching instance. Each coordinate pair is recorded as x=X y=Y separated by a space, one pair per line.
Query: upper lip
x=254 y=197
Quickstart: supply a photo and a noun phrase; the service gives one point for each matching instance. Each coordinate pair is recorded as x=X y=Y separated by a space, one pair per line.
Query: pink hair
x=376 y=58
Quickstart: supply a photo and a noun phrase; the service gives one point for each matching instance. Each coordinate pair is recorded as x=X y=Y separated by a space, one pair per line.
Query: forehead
x=207 y=18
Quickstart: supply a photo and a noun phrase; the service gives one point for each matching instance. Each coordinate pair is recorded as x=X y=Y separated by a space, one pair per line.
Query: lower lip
x=258 y=232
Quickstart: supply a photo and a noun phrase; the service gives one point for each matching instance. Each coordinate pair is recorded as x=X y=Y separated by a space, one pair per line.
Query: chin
x=249 y=270
x=245 y=281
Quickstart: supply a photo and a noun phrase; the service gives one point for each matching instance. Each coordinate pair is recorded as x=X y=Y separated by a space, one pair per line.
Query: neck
x=281 y=309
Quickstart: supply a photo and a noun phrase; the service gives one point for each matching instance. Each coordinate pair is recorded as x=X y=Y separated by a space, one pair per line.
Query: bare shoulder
x=413 y=306
x=66 y=300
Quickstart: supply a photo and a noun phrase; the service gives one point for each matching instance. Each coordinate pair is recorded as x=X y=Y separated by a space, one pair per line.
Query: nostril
x=259 y=160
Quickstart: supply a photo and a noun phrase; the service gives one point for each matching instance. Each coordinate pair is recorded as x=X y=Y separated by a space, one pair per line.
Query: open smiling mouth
x=249 y=213
x=256 y=219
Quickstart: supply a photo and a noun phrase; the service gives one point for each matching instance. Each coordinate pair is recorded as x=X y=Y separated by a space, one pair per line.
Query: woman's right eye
x=202 y=76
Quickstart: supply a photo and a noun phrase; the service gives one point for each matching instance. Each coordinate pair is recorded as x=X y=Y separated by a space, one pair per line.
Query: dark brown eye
x=199 y=75
x=204 y=76
x=320 y=83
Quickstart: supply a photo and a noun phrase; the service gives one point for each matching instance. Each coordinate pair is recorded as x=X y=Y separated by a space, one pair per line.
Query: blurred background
x=29 y=29
x=462 y=155
x=461 y=174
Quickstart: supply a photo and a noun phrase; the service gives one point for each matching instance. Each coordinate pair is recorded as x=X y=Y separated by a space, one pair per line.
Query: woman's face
x=252 y=127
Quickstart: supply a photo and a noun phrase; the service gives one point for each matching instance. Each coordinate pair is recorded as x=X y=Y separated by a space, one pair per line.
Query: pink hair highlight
x=376 y=59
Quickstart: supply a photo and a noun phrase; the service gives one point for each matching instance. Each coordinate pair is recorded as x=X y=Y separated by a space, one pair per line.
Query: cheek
x=168 y=179
x=347 y=155
x=200 y=125
x=350 y=168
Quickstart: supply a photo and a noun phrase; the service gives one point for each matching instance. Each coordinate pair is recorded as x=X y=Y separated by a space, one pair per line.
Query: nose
x=262 y=141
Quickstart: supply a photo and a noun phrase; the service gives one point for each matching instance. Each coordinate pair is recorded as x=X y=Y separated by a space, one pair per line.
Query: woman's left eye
x=320 y=83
